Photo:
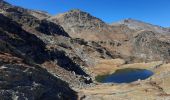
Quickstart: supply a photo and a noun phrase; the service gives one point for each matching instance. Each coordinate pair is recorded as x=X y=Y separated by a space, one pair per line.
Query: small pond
x=126 y=75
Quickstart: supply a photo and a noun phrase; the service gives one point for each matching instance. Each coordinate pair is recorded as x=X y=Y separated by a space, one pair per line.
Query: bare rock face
x=21 y=81
x=27 y=43
x=139 y=25
x=50 y=28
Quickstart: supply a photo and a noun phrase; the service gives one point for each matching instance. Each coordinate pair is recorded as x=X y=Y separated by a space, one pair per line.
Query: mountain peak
x=77 y=18
x=75 y=10
x=4 y=4
x=75 y=13
x=140 y=25
x=131 y=20
x=82 y=24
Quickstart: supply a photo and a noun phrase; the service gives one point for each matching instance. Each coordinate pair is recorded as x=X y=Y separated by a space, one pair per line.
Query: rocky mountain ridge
x=139 y=25
x=61 y=50
x=20 y=51
x=53 y=47
x=81 y=24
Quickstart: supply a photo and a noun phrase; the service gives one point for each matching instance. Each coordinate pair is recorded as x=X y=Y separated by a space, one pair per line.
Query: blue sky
x=152 y=11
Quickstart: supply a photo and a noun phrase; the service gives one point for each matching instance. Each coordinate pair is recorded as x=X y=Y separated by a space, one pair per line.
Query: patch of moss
x=100 y=78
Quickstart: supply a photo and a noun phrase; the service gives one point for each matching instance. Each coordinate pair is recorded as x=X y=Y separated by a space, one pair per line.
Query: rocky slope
x=23 y=17
x=80 y=24
x=21 y=77
x=27 y=45
x=139 y=25
x=22 y=80
x=8 y=7
x=47 y=44
x=118 y=38
x=152 y=46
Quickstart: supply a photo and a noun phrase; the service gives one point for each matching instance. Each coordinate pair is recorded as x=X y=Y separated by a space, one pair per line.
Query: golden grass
x=106 y=66
x=140 y=90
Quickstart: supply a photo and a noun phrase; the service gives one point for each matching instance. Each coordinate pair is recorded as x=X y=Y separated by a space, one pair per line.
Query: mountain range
x=44 y=57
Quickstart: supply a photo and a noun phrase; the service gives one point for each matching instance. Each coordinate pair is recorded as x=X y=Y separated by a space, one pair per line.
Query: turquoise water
x=126 y=75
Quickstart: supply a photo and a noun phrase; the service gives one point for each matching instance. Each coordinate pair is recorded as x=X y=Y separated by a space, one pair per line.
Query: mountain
x=21 y=76
x=149 y=45
x=46 y=44
x=24 y=17
x=4 y=6
x=80 y=24
x=139 y=25
x=168 y=29
x=24 y=55
x=52 y=57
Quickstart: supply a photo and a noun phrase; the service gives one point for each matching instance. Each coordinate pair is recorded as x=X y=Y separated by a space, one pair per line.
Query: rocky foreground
x=44 y=57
